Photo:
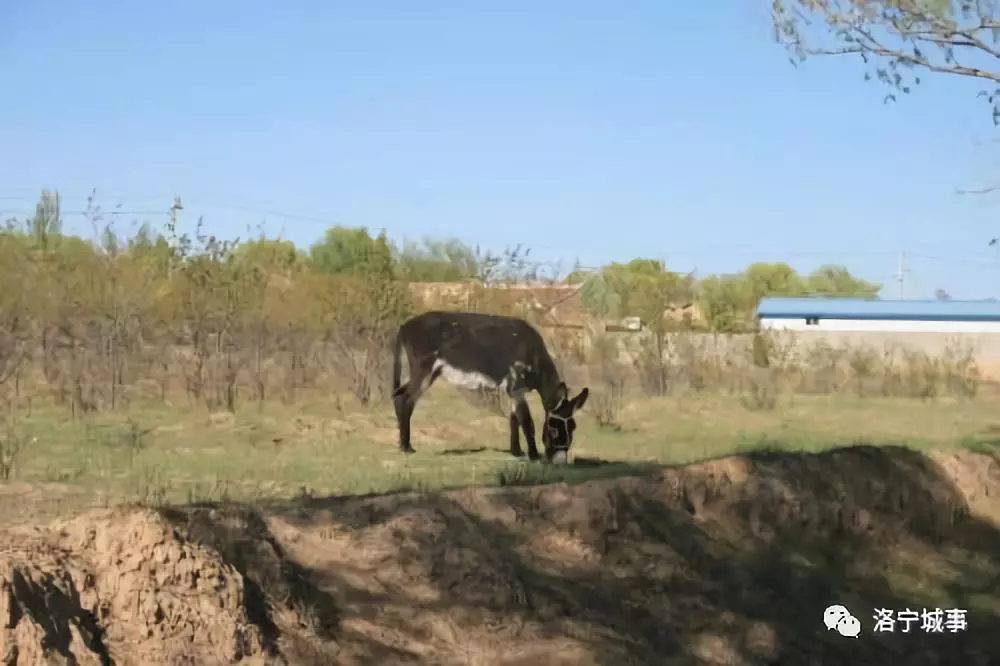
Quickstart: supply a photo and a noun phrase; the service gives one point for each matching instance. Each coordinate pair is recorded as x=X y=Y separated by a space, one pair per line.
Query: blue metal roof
x=874 y=309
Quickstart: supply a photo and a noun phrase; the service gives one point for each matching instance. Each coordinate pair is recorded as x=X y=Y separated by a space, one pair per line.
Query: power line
x=277 y=213
x=228 y=202
x=94 y=213
x=231 y=202
x=955 y=260
x=206 y=202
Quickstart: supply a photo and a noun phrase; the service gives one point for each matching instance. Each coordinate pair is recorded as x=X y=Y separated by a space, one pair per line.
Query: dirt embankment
x=726 y=562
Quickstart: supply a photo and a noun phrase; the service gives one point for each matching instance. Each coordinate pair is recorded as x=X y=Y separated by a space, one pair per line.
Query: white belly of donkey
x=465 y=379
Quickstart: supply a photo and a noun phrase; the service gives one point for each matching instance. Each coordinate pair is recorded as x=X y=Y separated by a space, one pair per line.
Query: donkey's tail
x=397 y=365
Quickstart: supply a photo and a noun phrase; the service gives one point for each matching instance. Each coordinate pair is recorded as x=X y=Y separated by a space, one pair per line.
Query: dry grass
x=159 y=454
x=166 y=370
x=238 y=389
x=718 y=563
x=244 y=398
x=727 y=562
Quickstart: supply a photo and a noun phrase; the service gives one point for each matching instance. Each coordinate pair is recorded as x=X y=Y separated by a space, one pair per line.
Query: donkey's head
x=557 y=435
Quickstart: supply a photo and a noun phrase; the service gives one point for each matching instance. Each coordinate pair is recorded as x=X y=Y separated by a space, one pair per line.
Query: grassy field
x=746 y=561
x=179 y=454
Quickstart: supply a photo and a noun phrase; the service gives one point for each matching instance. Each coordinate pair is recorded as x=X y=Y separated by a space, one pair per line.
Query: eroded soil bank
x=725 y=562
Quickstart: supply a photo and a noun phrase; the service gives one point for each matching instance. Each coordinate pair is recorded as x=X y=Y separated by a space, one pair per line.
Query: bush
x=100 y=325
x=764 y=365
x=608 y=377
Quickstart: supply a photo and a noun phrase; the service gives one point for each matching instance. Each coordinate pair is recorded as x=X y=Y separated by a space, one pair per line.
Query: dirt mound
x=114 y=588
x=726 y=562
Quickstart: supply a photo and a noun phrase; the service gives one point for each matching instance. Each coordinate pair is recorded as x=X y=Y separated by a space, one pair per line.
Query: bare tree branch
x=982 y=190
x=898 y=38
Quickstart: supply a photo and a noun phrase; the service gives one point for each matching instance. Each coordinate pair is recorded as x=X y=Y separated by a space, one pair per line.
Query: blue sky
x=592 y=130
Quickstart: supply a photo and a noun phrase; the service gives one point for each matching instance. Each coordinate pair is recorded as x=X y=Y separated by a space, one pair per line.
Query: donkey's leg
x=515 y=438
x=516 y=394
x=523 y=413
x=405 y=400
x=520 y=415
x=404 y=404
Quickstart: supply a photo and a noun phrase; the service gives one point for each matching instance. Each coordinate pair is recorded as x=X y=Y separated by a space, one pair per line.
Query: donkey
x=474 y=351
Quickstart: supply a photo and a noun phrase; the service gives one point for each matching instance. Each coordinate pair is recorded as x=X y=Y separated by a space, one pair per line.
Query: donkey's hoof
x=408 y=450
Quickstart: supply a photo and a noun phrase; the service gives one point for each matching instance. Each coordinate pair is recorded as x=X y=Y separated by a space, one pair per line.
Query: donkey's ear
x=562 y=393
x=581 y=398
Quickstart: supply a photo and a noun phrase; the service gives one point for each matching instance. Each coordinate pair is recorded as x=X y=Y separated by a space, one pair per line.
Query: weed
x=181 y=368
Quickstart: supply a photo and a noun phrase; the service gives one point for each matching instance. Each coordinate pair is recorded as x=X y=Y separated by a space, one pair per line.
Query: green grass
x=184 y=454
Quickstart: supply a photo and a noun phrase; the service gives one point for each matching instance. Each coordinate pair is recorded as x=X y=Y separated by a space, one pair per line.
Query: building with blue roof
x=874 y=315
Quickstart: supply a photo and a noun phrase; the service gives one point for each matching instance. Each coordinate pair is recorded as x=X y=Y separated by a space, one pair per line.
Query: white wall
x=884 y=325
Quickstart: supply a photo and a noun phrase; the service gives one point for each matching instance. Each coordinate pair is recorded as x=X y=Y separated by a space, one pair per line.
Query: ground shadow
x=581 y=461
x=275 y=583
x=473 y=451
x=58 y=615
x=726 y=562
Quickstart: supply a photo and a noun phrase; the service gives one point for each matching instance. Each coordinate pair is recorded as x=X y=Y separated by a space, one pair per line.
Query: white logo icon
x=839 y=618
x=832 y=615
x=849 y=626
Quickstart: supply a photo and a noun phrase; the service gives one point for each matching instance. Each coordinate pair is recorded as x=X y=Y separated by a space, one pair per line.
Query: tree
x=598 y=297
x=352 y=250
x=511 y=266
x=832 y=280
x=267 y=254
x=641 y=288
x=647 y=289
x=432 y=260
x=773 y=279
x=899 y=39
x=725 y=302
x=45 y=227
x=941 y=295
x=578 y=274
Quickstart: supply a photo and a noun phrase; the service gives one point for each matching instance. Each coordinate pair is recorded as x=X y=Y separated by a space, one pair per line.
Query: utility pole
x=901 y=271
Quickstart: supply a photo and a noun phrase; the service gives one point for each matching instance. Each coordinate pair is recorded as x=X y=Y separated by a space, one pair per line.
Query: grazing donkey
x=473 y=351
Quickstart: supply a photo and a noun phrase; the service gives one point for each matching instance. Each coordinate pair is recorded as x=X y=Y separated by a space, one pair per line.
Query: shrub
x=100 y=325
